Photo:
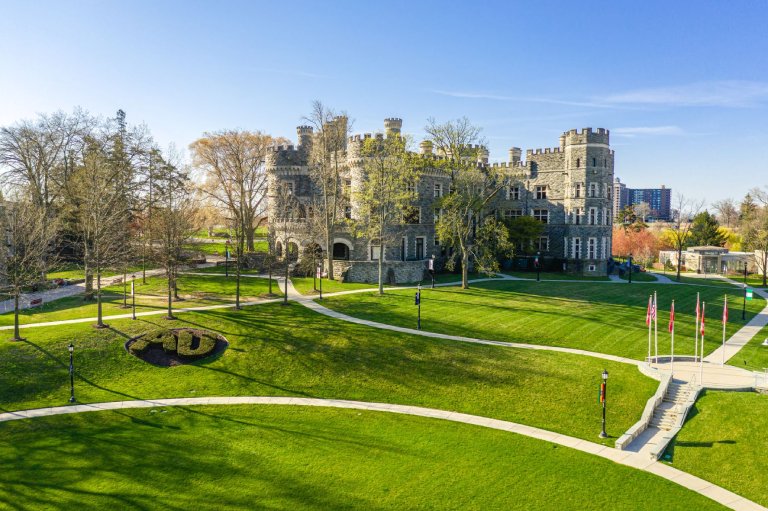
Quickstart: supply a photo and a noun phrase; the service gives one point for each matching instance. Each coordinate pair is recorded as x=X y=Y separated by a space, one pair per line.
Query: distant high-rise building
x=658 y=199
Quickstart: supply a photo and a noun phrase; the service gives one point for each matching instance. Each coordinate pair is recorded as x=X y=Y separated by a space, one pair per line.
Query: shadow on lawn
x=99 y=460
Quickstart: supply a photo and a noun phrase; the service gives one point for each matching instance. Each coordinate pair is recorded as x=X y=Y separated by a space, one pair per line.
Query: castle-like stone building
x=568 y=188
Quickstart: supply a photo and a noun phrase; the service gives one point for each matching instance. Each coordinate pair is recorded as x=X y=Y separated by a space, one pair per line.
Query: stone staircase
x=667 y=416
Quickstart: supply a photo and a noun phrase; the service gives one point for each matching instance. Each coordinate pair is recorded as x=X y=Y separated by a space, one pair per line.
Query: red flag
x=703 y=306
x=672 y=317
x=648 y=312
x=725 y=310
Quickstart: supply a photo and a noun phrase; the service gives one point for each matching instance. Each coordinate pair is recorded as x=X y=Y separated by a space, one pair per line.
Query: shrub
x=159 y=336
x=195 y=344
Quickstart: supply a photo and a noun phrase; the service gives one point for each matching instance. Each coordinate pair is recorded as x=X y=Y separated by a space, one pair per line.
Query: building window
x=577 y=191
x=375 y=252
x=511 y=214
x=513 y=193
x=410 y=187
x=593 y=189
x=542 y=243
x=348 y=212
x=591 y=267
x=592 y=216
x=592 y=248
x=576 y=248
x=594 y=162
x=541 y=192
x=419 y=248
x=542 y=215
x=578 y=162
x=438 y=189
x=412 y=215
x=289 y=187
x=577 y=216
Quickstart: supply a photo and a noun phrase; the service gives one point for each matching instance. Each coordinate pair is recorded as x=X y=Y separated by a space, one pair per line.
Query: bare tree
x=680 y=228
x=755 y=231
x=727 y=212
x=287 y=211
x=173 y=221
x=473 y=186
x=101 y=214
x=642 y=210
x=384 y=197
x=235 y=177
x=27 y=241
x=326 y=165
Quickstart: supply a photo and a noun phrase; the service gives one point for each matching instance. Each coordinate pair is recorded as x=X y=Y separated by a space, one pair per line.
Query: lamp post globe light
x=432 y=270
x=744 y=302
x=320 y=275
x=418 y=305
x=71 y=349
x=630 y=269
x=226 y=257
x=603 y=392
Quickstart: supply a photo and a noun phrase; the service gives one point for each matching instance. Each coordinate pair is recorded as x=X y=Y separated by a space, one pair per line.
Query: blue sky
x=683 y=86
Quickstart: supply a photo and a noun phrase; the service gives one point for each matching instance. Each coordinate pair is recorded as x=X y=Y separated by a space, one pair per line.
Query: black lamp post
x=744 y=303
x=320 y=274
x=603 y=391
x=133 y=296
x=537 y=262
x=630 y=271
x=418 y=305
x=71 y=349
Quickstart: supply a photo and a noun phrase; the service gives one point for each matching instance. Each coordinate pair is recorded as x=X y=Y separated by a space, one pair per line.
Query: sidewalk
x=633 y=460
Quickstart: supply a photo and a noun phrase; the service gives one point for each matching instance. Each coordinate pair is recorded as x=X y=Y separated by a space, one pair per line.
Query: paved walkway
x=742 y=337
x=636 y=461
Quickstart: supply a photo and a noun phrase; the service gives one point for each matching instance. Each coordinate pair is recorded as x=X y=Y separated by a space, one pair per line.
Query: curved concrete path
x=696 y=484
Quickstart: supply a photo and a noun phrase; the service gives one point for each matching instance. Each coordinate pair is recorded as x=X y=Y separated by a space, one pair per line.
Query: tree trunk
x=270 y=274
x=99 y=320
x=329 y=249
x=381 y=268
x=237 y=277
x=16 y=333
x=249 y=239
x=464 y=269
x=170 y=297
x=679 y=261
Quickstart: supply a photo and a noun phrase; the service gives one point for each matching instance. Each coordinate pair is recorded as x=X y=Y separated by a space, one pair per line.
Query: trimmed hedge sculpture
x=177 y=346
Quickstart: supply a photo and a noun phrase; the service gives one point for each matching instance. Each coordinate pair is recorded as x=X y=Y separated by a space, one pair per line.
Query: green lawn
x=196 y=290
x=279 y=457
x=292 y=351
x=753 y=356
x=553 y=276
x=608 y=318
x=304 y=285
x=701 y=281
x=222 y=269
x=724 y=440
x=75 y=271
x=218 y=248
x=639 y=277
x=204 y=287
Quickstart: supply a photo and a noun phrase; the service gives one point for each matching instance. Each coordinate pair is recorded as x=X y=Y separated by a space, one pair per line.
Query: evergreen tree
x=705 y=231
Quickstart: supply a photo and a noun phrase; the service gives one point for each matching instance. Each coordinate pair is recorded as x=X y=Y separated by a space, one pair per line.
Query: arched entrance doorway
x=340 y=252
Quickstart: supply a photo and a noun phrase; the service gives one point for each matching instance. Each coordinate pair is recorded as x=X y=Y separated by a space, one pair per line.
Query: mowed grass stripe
x=609 y=318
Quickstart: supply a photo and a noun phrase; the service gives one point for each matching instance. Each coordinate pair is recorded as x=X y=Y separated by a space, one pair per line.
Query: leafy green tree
x=473 y=186
x=384 y=194
x=523 y=232
x=492 y=244
x=705 y=231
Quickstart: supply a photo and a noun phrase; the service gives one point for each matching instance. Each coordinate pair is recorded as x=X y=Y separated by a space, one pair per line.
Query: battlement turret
x=392 y=125
x=586 y=136
x=282 y=156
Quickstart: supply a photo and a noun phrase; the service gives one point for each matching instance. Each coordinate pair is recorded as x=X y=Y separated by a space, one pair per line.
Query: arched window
x=279 y=249
x=340 y=251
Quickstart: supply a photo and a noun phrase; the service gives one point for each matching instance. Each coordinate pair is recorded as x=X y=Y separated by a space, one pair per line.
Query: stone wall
x=395 y=272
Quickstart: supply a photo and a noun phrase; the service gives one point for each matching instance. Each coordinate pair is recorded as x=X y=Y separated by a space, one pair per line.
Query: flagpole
x=656 y=326
x=649 y=329
x=696 y=342
x=672 y=325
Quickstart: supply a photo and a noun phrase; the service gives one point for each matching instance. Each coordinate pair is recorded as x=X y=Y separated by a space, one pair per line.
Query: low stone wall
x=395 y=272
x=645 y=419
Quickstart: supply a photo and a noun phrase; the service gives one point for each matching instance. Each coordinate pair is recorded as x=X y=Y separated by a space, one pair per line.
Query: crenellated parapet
x=587 y=136
x=289 y=155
